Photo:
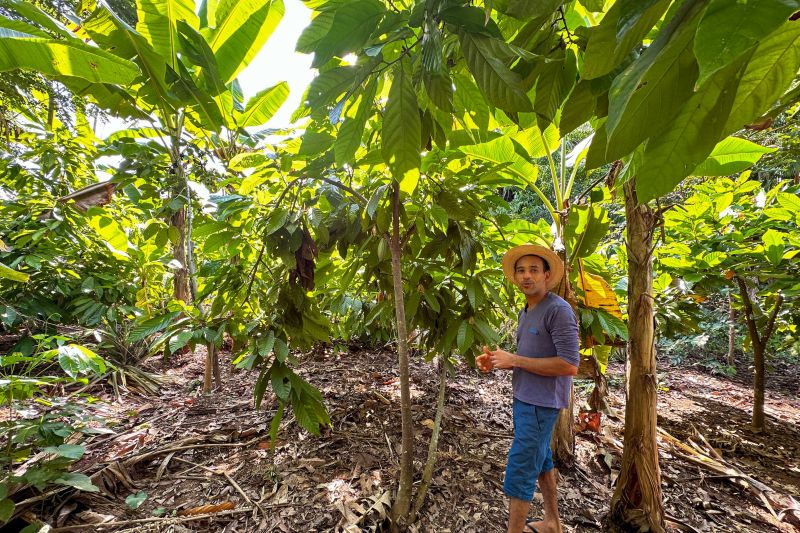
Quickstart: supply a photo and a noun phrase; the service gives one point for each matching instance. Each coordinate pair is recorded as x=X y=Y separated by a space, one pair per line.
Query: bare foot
x=542 y=526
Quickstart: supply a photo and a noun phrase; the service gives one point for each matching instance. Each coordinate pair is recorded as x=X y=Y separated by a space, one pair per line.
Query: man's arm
x=544 y=366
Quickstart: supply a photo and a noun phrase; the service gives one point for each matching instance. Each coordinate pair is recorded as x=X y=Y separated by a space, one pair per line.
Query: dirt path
x=185 y=451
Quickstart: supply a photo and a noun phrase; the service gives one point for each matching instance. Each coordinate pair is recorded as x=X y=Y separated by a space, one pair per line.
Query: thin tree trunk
x=759 y=342
x=209 y=370
x=637 y=501
x=433 y=446
x=402 y=503
x=731 y=331
x=181 y=280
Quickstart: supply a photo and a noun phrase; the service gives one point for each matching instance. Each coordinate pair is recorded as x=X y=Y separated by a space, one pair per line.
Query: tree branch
x=748 y=310
x=773 y=316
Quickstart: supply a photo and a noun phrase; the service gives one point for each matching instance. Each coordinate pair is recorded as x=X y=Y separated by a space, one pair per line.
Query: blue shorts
x=530 y=453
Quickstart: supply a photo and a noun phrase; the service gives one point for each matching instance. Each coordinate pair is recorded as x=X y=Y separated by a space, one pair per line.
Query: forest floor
x=184 y=450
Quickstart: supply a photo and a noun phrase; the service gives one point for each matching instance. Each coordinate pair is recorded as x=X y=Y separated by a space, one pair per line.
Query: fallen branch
x=167 y=520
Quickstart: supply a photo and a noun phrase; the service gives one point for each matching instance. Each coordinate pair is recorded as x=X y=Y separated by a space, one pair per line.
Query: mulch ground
x=185 y=451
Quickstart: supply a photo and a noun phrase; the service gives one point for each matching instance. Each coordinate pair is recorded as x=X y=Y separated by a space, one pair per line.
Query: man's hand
x=501 y=358
x=484 y=361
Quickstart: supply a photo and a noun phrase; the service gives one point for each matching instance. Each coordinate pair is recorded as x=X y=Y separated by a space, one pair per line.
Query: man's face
x=530 y=276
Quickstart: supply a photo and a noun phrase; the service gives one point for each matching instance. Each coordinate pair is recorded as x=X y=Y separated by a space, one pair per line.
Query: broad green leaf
x=13 y=275
x=277 y=219
x=70 y=451
x=401 y=132
x=79 y=481
x=242 y=28
x=349 y=138
x=197 y=50
x=673 y=155
x=112 y=33
x=768 y=75
x=586 y=227
x=774 y=246
x=150 y=326
x=353 y=23
x=158 y=24
x=66 y=58
x=32 y=13
x=553 y=86
x=316 y=31
x=75 y=360
x=607 y=47
x=528 y=9
x=465 y=337
x=501 y=151
x=469 y=18
x=263 y=106
x=10 y=28
x=578 y=108
x=179 y=341
x=329 y=85
x=203 y=109
x=647 y=95
x=375 y=200
x=728 y=29
x=731 y=155
x=487 y=59
x=6 y=509
x=790 y=202
x=113 y=235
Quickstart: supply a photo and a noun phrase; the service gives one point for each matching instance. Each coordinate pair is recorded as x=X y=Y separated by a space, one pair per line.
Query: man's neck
x=534 y=299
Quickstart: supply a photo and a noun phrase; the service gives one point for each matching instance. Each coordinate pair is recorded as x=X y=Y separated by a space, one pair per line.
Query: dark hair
x=546 y=264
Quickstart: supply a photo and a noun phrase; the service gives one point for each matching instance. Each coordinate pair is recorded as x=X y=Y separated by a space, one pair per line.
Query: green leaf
x=768 y=75
x=30 y=12
x=402 y=129
x=113 y=235
x=553 y=86
x=622 y=28
x=242 y=28
x=79 y=481
x=375 y=200
x=65 y=58
x=487 y=59
x=501 y=151
x=353 y=23
x=158 y=24
x=70 y=451
x=6 y=509
x=264 y=105
x=75 y=360
x=13 y=275
x=197 y=50
x=316 y=31
x=731 y=155
x=774 y=246
x=648 y=95
x=205 y=110
x=266 y=344
x=527 y=9
x=153 y=325
x=673 y=155
x=586 y=226
x=728 y=29
x=578 y=108
x=133 y=501
x=277 y=219
x=465 y=337
x=790 y=202
x=329 y=85
x=179 y=341
x=349 y=138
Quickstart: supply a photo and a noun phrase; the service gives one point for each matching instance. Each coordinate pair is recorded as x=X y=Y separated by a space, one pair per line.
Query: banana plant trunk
x=402 y=503
x=563 y=440
x=637 y=503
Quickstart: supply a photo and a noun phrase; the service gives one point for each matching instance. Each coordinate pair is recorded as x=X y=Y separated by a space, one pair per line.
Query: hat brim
x=553 y=260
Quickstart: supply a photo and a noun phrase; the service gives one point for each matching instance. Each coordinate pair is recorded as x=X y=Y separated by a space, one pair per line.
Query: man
x=547 y=358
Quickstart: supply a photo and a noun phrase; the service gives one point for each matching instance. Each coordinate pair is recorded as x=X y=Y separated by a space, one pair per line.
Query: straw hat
x=556 y=265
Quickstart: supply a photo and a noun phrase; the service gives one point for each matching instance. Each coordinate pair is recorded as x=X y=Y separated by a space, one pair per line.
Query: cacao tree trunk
x=637 y=503
x=402 y=503
x=731 y=330
x=759 y=342
x=180 y=282
x=563 y=440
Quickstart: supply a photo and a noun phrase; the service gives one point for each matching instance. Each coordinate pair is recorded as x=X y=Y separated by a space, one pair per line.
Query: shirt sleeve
x=564 y=332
